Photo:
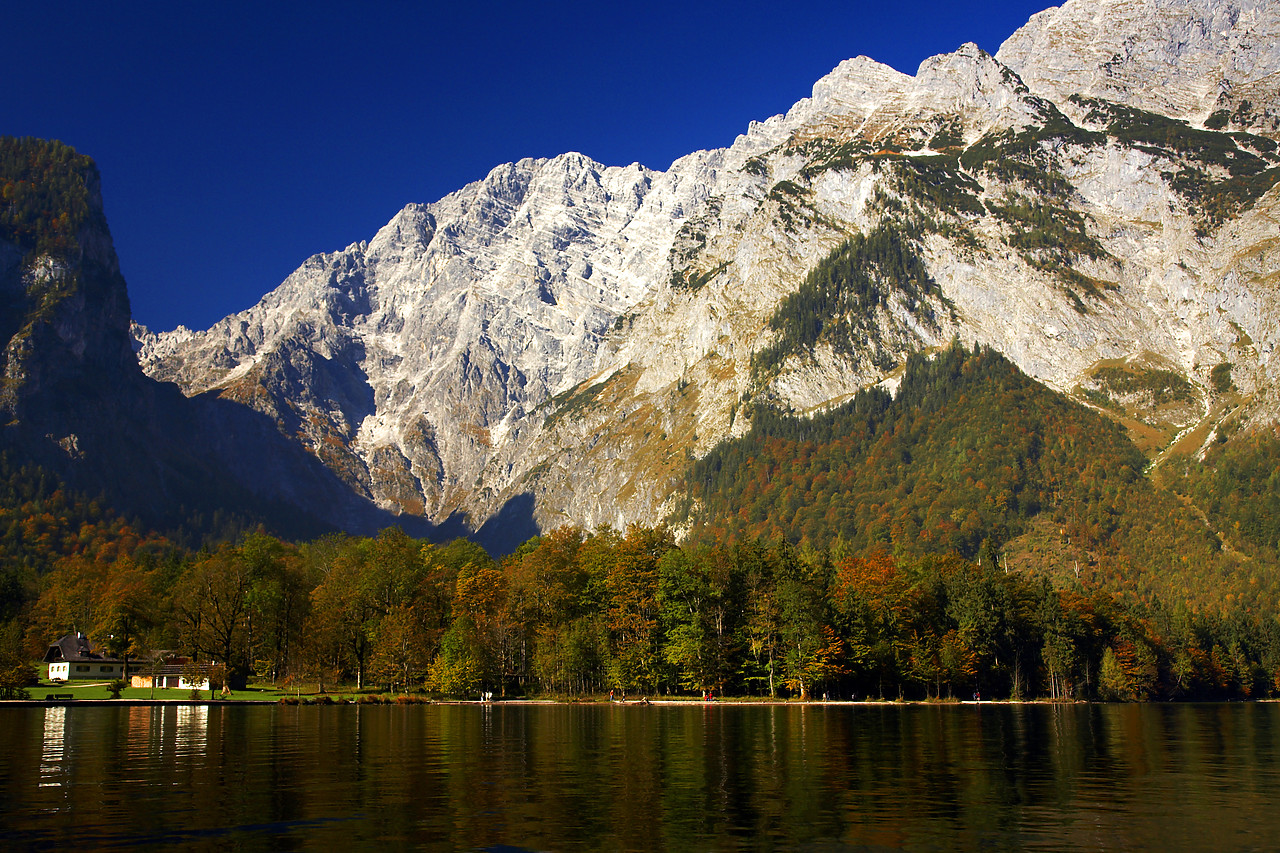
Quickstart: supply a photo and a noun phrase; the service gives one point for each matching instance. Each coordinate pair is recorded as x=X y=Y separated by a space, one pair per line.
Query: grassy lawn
x=257 y=691
x=342 y=693
x=99 y=690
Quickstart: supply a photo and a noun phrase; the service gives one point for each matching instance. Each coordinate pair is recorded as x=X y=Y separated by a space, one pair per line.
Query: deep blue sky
x=235 y=140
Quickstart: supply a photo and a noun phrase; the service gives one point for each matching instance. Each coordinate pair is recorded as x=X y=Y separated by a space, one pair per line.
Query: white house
x=73 y=658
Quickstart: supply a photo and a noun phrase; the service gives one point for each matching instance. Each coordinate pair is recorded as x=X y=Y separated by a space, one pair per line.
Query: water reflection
x=190 y=729
x=586 y=777
x=52 y=769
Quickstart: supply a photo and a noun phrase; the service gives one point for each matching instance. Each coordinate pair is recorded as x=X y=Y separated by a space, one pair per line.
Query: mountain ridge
x=577 y=333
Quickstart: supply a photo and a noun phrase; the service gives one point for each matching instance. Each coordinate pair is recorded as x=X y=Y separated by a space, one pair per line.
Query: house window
x=81 y=668
x=106 y=669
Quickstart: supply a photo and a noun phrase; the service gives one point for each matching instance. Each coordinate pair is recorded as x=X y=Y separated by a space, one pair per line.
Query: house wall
x=168 y=681
x=93 y=670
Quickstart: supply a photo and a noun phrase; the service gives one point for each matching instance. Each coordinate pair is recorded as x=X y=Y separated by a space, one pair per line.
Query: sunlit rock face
x=576 y=333
x=1182 y=58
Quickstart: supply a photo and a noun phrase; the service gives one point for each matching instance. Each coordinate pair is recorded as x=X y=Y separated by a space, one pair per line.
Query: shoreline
x=666 y=703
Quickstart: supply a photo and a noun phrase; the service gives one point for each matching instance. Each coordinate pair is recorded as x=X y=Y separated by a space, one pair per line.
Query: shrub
x=1220 y=378
x=15 y=680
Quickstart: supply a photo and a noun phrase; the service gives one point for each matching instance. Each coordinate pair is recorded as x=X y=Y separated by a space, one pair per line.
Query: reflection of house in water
x=52 y=769
x=77 y=745
x=191 y=732
x=73 y=657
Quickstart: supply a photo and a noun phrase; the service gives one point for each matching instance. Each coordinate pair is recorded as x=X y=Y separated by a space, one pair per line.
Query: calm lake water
x=992 y=777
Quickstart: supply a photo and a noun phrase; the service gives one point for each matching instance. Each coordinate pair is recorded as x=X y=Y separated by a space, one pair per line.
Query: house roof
x=182 y=669
x=75 y=648
x=162 y=663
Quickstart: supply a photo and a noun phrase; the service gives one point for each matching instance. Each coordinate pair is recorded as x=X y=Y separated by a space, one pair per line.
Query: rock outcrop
x=76 y=403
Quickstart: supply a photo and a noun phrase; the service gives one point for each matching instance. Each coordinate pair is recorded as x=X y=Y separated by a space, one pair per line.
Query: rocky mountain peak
x=1187 y=59
x=854 y=88
x=956 y=97
x=410 y=230
x=971 y=86
x=65 y=309
x=76 y=403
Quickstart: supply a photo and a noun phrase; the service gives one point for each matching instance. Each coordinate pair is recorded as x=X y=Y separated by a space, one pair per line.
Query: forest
x=577 y=612
x=879 y=550
x=44 y=198
x=972 y=457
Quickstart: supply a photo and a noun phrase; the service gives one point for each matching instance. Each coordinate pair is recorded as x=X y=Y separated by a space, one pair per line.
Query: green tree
x=345 y=609
x=480 y=598
x=632 y=585
x=400 y=656
x=700 y=596
x=811 y=653
x=126 y=608
x=210 y=603
x=458 y=669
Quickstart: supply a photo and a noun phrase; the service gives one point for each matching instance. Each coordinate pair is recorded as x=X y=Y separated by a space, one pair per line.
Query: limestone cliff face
x=68 y=367
x=1186 y=59
x=65 y=312
x=75 y=401
x=577 y=333
x=404 y=362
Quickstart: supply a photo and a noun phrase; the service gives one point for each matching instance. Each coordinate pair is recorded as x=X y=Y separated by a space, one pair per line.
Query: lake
x=613 y=777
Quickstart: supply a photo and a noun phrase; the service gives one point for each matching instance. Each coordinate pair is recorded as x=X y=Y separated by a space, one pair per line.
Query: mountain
x=404 y=362
x=75 y=402
x=561 y=339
